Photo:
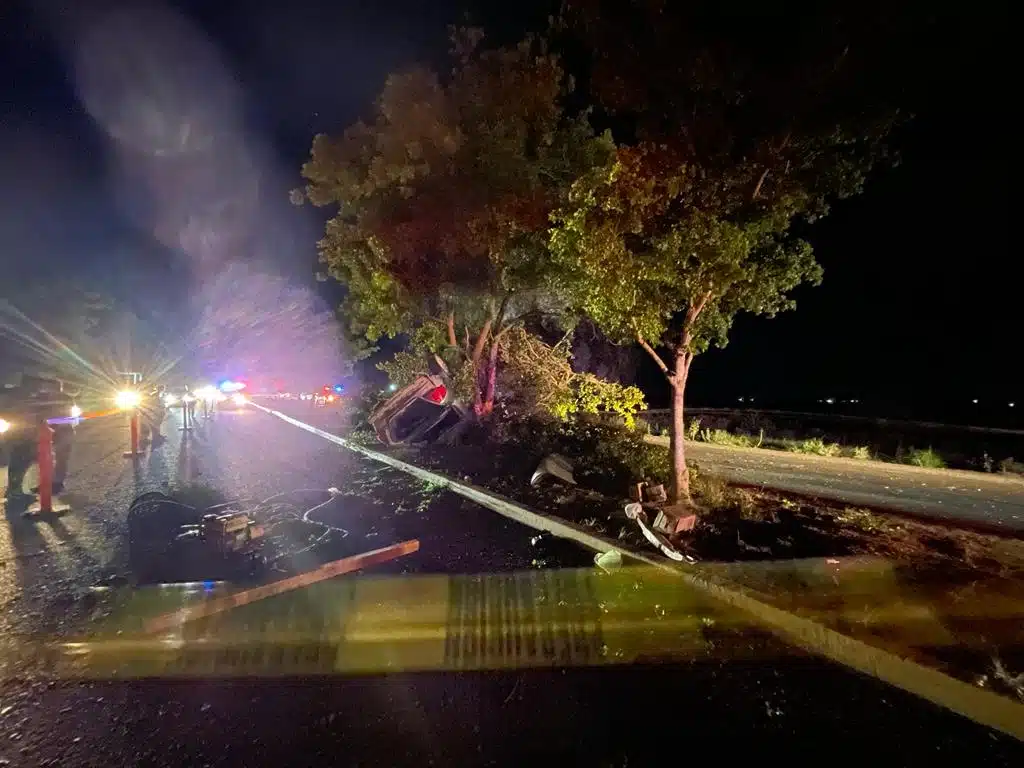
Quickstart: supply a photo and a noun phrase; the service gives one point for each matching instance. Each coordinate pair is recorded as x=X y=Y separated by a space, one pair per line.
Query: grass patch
x=722 y=437
x=924 y=457
x=815 y=446
x=1010 y=467
x=859 y=452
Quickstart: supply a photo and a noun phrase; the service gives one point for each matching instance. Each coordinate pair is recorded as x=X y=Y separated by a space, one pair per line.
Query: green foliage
x=722 y=437
x=815 y=446
x=591 y=395
x=924 y=457
x=404 y=367
x=538 y=378
x=861 y=452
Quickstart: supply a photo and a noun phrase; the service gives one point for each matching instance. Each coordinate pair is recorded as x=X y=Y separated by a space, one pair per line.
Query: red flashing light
x=438 y=394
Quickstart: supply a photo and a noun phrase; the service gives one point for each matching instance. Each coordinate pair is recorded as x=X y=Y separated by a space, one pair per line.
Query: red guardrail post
x=133 y=431
x=44 y=457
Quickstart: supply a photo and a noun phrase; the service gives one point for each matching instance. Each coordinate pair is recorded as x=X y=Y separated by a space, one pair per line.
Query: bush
x=1010 y=467
x=861 y=452
x=816 y=447
x=608 y=458
x=924 y=457
x=693 y=429
x=709 y=491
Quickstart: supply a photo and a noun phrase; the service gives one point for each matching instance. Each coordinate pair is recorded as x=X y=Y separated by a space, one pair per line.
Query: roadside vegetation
x=927 y=457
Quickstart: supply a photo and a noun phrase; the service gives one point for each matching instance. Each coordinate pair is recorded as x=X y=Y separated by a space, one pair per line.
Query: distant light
x=210 y=394
x=231 y=386
x=392 y=387
x=975 y=401
x=76 y=412
x=339 y=388
x=239 y=400
x=829 y=400
x=740 y=399
x=4 y=426
x=1012 y=404
x=127 y=399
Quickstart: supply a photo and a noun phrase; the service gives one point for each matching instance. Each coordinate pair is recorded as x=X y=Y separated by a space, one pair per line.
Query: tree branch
x=654 y=355
x=481 y=340
x=499 y=318
x=452 y=341
x=760 y=181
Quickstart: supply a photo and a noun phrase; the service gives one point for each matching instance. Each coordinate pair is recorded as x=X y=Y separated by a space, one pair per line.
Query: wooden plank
x=324 y=572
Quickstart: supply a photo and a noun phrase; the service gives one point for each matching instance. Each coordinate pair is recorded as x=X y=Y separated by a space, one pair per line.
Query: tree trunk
x=484 y=379
x=492 y=377
x=680 y=474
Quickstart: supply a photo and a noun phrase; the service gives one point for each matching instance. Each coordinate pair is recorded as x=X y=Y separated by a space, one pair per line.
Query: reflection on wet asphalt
x=780 y=702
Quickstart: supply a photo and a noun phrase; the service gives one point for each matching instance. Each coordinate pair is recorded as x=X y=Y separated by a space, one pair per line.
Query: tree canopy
x=732 y=133
x=443 y=200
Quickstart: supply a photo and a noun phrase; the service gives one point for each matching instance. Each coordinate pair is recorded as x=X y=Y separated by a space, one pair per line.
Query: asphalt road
x=975 y=498
x=749 y=696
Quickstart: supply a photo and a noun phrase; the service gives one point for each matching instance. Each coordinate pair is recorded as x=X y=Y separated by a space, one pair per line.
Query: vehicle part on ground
x=637 y=513
x=420 y=412
x=554 y=465
x=170 y=541
x=226 y=532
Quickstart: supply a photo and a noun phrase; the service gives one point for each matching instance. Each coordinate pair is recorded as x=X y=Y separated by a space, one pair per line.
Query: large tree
x=734 y=130
x=443 y=200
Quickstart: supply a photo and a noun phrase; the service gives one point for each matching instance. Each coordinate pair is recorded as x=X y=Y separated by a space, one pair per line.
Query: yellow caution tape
x=495 y=621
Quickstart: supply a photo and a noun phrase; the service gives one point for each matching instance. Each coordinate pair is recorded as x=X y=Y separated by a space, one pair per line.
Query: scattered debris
x=636 y=512
x=608 y=561
x=554 y=465
x=649 y=494
x=674 y=520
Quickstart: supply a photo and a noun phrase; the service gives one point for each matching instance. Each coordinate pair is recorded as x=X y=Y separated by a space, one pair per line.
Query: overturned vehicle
x=420 y=412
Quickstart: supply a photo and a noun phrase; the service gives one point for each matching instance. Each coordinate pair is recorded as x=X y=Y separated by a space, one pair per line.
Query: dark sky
x=919 y=300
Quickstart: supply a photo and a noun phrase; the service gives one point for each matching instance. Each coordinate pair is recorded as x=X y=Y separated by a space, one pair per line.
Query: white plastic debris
x=608 y=561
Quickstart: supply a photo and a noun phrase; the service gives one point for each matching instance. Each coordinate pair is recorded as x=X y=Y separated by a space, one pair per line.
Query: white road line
x=980 y=705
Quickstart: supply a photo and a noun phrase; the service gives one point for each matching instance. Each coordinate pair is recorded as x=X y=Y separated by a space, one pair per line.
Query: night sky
x=920 y=297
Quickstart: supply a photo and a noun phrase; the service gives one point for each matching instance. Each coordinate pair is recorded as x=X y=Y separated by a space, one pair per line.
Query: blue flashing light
x=339 y=388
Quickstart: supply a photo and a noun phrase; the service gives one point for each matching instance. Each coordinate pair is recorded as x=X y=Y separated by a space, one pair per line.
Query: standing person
x=188 y=408
x=154 y=412
x=20 y=437
x=36 y=400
